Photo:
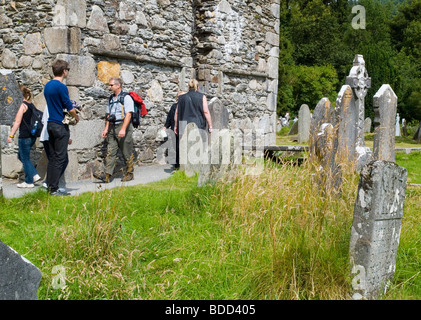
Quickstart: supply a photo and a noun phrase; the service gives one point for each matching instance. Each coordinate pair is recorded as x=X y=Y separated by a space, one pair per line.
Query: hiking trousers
x=59 y=135
x=125 y=145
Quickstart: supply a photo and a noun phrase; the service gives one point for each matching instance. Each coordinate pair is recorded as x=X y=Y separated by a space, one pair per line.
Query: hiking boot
x=104 y=177
x=58 y=193
x=127 y=177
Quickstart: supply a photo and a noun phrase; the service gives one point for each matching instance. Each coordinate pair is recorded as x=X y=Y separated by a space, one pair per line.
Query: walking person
x=44 y=139
x=170 y=124
x=26 y=140
x=118 y=132
x=192 y=107
x=57 y=97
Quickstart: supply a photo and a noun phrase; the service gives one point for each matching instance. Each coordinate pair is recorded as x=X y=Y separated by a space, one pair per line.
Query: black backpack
x=35 y=124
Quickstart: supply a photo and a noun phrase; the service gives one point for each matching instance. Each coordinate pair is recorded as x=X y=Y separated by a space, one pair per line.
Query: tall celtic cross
x=360 y=82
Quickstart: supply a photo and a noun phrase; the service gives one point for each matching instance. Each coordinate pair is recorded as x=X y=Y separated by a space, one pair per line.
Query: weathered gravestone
x=397 y=126
x=346 y=112
x=10 y=100
x=10 y=97
x=376 y=227
x=404 y=128
x=304 y=117
x=294 y=128
x=19 y=278
x=323 y=145
x=219 y=114
x=223 y=158
x=385 y=104
x=323 y=113
x=360 y=82
x=193 y=148
x=367 y=125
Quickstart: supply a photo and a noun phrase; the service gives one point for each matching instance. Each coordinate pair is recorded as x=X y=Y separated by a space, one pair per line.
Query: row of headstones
x=378 y=210
x=301 y=127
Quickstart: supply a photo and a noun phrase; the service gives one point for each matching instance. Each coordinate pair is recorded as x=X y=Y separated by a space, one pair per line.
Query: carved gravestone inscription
x=19 y=278
x=10 y=98
x=376 y=227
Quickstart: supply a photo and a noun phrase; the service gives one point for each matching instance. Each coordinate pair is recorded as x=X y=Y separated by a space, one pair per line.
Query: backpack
x=139 y=107
x=35 y=124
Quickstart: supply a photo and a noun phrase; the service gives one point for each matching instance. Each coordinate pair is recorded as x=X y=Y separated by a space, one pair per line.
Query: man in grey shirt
x=118 y=131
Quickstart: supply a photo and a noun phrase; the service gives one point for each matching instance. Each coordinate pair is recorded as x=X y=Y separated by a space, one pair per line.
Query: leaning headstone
x=367 y=125
x=19 y=278
x=304 y=124
x=385 y=104
x=219 y=114
x=376 y=227
x=10 y=97
x=193 y=149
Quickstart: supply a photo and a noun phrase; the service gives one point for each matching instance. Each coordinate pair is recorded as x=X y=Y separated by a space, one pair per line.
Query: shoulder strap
x=30 y=107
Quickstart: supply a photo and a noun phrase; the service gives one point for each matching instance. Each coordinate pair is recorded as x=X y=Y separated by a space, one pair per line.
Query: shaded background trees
x=318 y=44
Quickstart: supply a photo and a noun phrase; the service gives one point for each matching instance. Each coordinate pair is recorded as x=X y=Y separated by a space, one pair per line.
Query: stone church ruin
x=231 y=47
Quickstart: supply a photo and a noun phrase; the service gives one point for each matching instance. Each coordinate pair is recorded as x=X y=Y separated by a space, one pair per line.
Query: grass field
x=270 y=236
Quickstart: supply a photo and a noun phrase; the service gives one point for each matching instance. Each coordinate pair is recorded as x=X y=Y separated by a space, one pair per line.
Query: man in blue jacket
x=57 y=97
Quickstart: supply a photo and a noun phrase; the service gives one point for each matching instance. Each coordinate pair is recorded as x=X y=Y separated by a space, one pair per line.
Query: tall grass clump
x=297 y=235
x=91 y=246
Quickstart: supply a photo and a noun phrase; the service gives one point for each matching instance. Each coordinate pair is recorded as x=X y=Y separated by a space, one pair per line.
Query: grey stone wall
x=155 y=47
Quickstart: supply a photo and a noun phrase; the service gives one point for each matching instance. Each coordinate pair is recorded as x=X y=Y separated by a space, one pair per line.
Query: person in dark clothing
x=170 y=124
x=57 y=96
x=192 y=107
x=26 y=139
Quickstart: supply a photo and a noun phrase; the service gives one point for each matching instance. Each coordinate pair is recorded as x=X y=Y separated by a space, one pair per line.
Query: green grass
x=412 y=162
x=268 y=236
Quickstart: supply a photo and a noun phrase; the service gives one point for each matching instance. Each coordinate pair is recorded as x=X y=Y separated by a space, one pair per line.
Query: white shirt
x=44 y=133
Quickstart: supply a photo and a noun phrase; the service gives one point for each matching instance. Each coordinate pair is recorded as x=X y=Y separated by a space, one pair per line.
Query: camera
x=112 y=118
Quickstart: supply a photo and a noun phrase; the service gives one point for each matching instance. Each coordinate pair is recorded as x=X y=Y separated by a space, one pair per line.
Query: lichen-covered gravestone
x=376 y=227
x=323 y=145
x=19 y=278
x=10 y=98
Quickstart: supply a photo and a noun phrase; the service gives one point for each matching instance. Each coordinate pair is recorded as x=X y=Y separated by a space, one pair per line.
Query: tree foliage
x=318 y=45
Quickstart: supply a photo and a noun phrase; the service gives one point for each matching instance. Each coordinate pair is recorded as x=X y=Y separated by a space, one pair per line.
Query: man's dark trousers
x=59 y=136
